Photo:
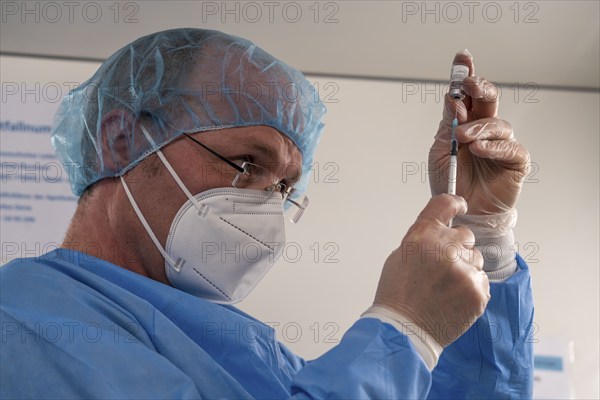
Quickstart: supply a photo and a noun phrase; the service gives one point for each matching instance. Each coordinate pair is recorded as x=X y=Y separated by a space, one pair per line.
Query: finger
x=483 y=281
x=469 y=259
x=443 y=208
x=484 y=97
x=484 y=129
x=464 y=236
x=464 y=247
x=453 y=108
x=510 y=153
x=476 y=259
x=464 y=57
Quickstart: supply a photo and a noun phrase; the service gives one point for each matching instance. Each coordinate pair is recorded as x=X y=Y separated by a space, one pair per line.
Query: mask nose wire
x=199 y=207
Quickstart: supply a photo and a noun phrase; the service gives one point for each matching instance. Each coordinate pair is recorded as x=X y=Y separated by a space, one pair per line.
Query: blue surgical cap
x=180 y=80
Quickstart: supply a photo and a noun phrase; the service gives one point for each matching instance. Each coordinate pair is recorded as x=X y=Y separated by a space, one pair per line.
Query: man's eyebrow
x=266 y=151
x=270 y=153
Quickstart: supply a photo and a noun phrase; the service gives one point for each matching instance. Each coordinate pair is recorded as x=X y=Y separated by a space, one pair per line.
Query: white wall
x=362 y=204
x=402 y=39
x=371 y=133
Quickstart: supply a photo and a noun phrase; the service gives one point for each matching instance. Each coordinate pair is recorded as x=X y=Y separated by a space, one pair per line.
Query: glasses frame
x=278 y=185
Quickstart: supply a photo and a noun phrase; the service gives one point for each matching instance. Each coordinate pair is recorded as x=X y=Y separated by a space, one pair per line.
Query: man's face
x=160 y=198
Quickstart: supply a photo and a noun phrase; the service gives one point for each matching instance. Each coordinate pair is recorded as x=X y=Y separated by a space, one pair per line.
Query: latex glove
x=435 y=277
x=492 y=165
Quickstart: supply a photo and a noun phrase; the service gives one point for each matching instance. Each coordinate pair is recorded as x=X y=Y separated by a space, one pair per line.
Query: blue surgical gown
x=75 y=326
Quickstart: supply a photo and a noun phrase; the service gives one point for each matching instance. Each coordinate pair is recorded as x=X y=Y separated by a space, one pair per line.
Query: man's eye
x=282 y=187
x=239 y=160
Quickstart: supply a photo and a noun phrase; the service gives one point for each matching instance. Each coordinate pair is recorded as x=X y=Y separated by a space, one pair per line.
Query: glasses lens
x=294 y=208
x=257 y=177
x=254 y=176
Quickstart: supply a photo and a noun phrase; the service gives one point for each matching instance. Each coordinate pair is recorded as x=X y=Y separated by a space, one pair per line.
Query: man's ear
x=117 y=130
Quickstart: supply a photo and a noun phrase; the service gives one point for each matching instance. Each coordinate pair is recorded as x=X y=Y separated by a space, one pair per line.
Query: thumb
x=444 y=207
x=464 y=57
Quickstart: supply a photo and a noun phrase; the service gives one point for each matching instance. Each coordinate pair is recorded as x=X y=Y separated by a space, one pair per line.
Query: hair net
x=180 y=80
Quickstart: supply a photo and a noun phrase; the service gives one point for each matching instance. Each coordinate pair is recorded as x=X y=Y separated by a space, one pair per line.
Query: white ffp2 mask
x=222 y=250
x=222 y=241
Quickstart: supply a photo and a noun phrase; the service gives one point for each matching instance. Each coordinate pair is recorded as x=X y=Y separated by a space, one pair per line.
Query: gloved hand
x=491 y=163
x=435 y=277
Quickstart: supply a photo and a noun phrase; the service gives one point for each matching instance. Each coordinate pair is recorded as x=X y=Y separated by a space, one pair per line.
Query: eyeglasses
x=250 y=175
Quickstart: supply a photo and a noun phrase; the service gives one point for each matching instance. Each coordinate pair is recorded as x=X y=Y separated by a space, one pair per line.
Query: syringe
x=453 y=162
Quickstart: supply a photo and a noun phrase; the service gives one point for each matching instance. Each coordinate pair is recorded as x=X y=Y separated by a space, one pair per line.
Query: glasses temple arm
x=214 y=153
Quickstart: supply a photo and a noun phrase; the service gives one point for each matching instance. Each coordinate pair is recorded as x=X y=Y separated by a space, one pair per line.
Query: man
x=190 y=140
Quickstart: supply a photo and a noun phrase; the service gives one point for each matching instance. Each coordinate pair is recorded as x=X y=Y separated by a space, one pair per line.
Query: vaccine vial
x=458 y=73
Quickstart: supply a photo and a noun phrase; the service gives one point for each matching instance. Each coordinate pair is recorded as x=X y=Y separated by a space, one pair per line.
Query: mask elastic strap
x=174 y=175
x=137 y=210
